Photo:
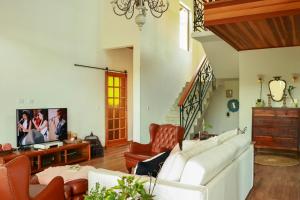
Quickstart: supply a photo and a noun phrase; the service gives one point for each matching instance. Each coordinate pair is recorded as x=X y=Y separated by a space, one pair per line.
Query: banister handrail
x=188 y=89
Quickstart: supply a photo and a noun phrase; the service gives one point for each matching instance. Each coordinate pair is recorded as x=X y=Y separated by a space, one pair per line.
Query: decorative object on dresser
x=260 y=102
x=277 y=89
x=294 y=101
x=276 y=128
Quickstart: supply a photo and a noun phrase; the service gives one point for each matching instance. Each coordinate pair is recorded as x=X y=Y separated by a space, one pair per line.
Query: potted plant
x=128 y=188
x=205 y=127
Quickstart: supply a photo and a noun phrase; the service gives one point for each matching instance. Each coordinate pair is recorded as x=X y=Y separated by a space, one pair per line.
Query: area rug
x=276 y=160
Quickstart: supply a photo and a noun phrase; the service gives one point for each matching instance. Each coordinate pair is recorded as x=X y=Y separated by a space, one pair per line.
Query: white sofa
x=223 y=172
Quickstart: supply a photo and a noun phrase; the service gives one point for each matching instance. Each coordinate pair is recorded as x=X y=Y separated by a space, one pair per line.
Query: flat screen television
x=35 y=126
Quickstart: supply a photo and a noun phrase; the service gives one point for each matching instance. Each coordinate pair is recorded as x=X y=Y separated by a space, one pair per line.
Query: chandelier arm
x=124 y=10
x=131 y=13
x=151 y=4
x=158 y=4
x=156 y=14
x=123 y=6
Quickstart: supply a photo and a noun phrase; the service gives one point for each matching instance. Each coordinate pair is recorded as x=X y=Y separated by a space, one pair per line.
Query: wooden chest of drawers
x=276 y=128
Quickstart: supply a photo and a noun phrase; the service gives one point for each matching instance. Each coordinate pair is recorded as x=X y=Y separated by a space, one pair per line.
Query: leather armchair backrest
x=14 y=176
x=166 y=137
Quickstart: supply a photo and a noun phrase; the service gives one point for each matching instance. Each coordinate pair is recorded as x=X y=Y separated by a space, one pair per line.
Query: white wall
x=223 y=57
x=40 y=41
x=268 y=62
x=164 y=66
x=215 y=115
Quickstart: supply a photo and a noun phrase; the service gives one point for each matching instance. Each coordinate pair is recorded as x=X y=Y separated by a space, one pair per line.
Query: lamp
x=127 y=8
x=295 y=77
x=260 y=102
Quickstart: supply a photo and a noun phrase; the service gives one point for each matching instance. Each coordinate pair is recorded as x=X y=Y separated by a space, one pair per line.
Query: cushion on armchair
x=152 y=166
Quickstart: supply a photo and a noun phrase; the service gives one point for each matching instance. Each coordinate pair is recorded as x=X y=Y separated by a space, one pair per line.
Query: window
x=184 y=19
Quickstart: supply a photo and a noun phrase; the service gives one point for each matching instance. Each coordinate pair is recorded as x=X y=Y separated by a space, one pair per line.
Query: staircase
x=189 y=108
x=173 y=116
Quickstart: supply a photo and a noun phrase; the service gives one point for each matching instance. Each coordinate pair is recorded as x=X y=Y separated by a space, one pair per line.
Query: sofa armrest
x=55 y=189
x=164 y=190
x=78 y=186
x=137 y=148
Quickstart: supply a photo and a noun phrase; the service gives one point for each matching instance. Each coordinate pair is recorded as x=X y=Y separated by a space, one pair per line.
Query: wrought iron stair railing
x=192 y=99
x=199 y=15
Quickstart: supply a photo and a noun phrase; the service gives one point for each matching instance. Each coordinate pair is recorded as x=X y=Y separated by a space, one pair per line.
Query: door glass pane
x=116 y=123
x=117 y=136
x=117 y=82
x=110 y=81
x=110 y=124
x=116 y=102
x=117 y=113
x=117 y=92
x=110 y=92
x=110 y=113
x=110 y=135
x=122 y=133
x=110 y=102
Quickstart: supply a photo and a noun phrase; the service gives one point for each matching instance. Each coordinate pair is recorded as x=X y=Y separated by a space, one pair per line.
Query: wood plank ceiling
x=255 y=24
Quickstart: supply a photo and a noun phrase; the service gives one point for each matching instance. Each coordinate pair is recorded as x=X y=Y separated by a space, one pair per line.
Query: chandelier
x=127 y=8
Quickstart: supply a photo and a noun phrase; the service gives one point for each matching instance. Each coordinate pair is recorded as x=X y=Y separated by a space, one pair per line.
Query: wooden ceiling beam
x=236 y=11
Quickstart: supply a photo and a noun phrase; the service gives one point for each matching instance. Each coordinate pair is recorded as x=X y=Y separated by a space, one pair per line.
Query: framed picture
x=229 y=93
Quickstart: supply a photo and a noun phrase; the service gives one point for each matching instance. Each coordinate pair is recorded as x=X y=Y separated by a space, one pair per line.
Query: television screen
x=36 y=126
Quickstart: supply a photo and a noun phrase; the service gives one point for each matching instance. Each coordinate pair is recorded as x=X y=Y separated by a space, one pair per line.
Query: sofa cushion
x=241 y=142
x=200 y=169
x=175 y=163
x=227 y=135
x=188 y=144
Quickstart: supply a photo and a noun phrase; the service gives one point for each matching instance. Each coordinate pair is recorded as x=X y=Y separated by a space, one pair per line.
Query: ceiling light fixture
x=127 y=8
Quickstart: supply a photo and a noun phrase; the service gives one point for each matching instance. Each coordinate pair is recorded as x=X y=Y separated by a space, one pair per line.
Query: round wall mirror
x=277 y=88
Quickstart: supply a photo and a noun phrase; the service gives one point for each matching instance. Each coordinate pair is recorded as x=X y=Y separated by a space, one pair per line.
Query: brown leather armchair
x=162 y=138
x=14 y=183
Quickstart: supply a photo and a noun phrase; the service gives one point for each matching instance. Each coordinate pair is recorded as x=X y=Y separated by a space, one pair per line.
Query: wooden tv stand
x=64 y=155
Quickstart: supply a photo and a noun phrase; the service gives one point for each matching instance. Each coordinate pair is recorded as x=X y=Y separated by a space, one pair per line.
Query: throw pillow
x=152 y=166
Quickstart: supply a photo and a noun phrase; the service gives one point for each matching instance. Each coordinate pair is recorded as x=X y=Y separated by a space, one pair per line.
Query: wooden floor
x=270 y=183
x=113 y=159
